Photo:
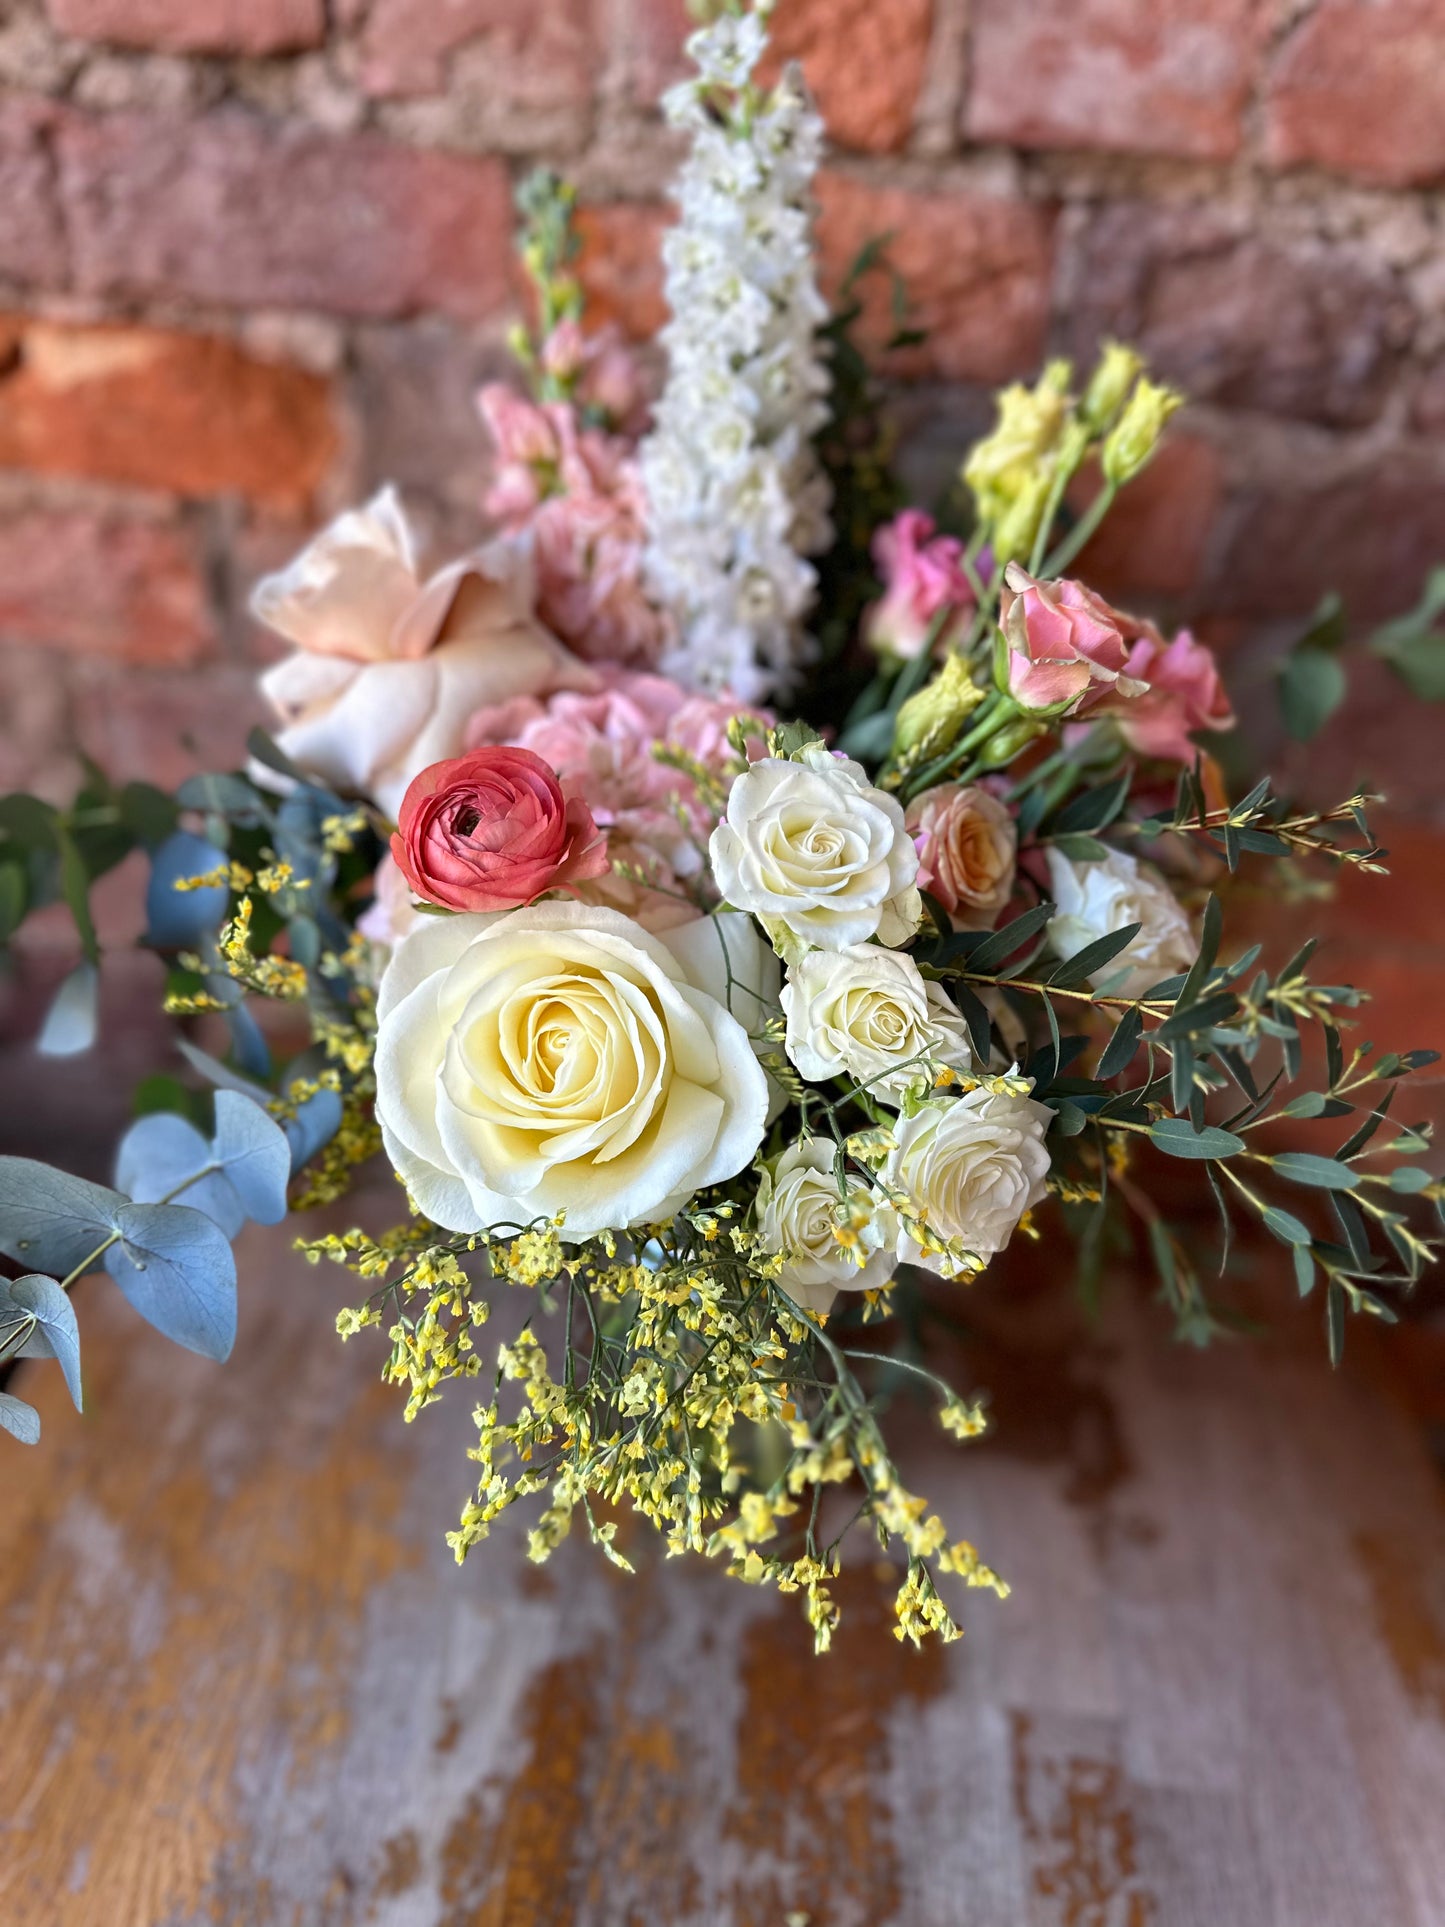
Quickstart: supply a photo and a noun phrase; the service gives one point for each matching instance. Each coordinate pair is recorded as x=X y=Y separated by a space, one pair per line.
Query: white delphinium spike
x=736 y=497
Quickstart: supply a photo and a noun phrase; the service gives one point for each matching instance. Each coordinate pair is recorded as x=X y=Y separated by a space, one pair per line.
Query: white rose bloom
x=971 y=1167
x=870 y=1014
x=388 y=669
x=1094 y=899
x=562 y=1059
x=817 y=854
x=799 y=1209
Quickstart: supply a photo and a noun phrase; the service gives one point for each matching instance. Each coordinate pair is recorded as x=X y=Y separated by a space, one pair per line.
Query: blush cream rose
x=967 y=844
x=819 y=856
x=970 y=1167
x=387 y=668
x=869 y=1014
x=800 y=1212
x=561 y=1059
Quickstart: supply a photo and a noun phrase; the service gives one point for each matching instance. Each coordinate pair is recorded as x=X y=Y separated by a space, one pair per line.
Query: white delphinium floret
x=737 y=500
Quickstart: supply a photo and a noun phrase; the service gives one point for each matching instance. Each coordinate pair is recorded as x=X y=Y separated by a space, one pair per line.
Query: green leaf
x=1188 y=1020
x=1414 y=647
x=73 y=1017
x=1177 y=1136
x=30 y=822
x=1304 y=1270
x=1092 y=958
x=12 y=900
x=1303 y=1167
x=1311 y=688
x=50 y=1220
x=252 y=1149
x=1095 y=809
x=1081 y=849
x=75 y=888
x=1286 y=1226
x=148 y=813
x=1335 y=1320
x=996 y=949
x=1119 y=1052
x=1409 y=1177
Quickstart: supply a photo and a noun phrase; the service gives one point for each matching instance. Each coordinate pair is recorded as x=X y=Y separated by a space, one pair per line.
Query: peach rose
x=967 y=844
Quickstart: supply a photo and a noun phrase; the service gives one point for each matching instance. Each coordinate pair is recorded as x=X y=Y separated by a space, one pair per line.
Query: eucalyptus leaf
x=50 y=1219
x=1178 y=1137
x=74 y=1015
x=1285 y=1225
x=176 y=1267
x=176 y=918
x=1311 y=688
x=255 y=1155
x=57 y=1335
x=163 y=1158
x=20 y=1420
x=1304 y=1167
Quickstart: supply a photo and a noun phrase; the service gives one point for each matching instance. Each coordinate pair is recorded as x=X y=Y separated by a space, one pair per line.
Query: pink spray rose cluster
x=1071 y=654
x=602 y=749
x=573 y=491
x=923 y=581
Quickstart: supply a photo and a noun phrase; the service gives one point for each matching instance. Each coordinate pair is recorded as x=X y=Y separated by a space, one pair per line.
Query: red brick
x=1373 y=537
x=1238 y=318
x=180 y=412
x=100 y=585
x=620 y=265
x=646 y=41
x=1154 y=538
x=538 y=53
x=1359 y=86
x=247 y=213
x=195 y=26
x=145 y=723
x=977 y=269
x=1137 y=76
x=32 y=237
x=1428 y=414
x=864 y=62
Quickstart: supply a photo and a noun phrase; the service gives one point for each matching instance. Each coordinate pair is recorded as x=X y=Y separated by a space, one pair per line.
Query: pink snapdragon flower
x=923 y=579
x=1067 y=648
x=574 y=495
x=1184 y=692
x=602 y=748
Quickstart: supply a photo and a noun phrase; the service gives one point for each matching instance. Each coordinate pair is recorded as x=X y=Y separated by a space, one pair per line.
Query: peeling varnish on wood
x=1079 y=1835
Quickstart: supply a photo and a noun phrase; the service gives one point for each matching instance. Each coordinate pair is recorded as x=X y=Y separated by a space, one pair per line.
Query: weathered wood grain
x=242 y=1684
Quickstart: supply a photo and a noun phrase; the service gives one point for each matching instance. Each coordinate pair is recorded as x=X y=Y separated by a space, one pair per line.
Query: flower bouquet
x=735 y=905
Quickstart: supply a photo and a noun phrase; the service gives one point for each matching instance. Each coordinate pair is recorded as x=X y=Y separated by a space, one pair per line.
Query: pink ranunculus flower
x=492 y=830
x=573 y=495
x=1184 y=692
x=967 y=844
x=602 y=748
x=923 y=580
x=1067 y=648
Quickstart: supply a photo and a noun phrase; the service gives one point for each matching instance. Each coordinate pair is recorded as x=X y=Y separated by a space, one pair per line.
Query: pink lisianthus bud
x=923 y=579
x=1067 y=649
x=1184 y=692
x=492 y=830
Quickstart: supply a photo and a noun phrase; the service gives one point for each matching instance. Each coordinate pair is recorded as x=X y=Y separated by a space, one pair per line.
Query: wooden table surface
x=243 y=1685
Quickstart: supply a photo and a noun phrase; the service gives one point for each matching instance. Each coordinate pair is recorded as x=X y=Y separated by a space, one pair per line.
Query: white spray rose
x=387 y=668
x=970 y=1167
x=817 y=854
x=870 y=1014
x=563 y=1059
x=800 y=1209
x=1094 y=899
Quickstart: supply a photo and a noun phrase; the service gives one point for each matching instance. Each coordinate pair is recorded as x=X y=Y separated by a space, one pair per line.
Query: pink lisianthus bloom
x=923 y=579
x=574 y=495
x=602 y=748
x=1067 y=648
x=493 y=830
x=1184 y=692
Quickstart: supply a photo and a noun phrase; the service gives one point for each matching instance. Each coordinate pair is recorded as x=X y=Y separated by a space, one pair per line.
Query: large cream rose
x=817 y=854
x=388 y=669
x=562 y=1059
x=869 y=1014
x=1093 y=900
x=800 y=1210
x=970 y=1167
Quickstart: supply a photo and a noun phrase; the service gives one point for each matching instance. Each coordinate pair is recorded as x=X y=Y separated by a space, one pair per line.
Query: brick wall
x=254 y=258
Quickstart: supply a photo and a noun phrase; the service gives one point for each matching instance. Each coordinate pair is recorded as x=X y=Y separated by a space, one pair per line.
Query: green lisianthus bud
x=939 y=709
x=1109 y=385
x=1030 y=421
x=1130 y=444
x=1007 y=743
x=1017 y=529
